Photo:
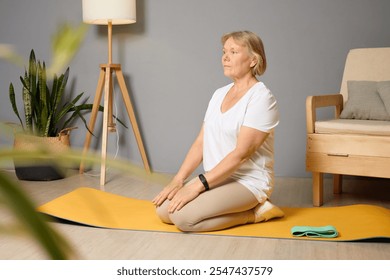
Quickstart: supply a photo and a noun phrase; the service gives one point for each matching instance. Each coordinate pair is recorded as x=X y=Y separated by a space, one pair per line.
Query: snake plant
x=45 y=111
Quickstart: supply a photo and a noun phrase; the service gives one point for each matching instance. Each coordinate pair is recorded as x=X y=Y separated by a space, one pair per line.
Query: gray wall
x=171 y=61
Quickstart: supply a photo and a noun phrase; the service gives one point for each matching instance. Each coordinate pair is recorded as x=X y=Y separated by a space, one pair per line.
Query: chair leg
x=337 y=183
x=318 y=186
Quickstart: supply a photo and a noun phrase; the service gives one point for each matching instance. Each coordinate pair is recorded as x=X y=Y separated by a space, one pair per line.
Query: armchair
x=354 y=142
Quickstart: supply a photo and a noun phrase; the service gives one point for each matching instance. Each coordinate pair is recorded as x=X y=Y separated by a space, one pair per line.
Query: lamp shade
x=103 y=11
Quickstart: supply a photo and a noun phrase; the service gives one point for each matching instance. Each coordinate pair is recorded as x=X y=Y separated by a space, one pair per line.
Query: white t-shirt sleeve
x=262 y=112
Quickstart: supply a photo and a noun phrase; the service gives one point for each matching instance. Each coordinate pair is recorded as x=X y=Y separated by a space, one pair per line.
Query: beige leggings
x=225 y=206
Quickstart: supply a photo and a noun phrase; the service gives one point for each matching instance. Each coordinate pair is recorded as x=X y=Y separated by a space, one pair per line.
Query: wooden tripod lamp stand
x=110 y=12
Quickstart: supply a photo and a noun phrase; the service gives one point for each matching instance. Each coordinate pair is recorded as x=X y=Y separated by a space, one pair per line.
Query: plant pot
x=38 y=169
x=39 y=173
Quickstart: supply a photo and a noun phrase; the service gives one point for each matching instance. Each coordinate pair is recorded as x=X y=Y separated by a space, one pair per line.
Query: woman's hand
x=183 y=196
x=168 y=192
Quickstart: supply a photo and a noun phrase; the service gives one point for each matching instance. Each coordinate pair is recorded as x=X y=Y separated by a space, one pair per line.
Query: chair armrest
x=314 y=102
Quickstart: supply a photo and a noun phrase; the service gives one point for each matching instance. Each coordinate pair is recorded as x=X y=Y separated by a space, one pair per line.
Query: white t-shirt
x=256 y=109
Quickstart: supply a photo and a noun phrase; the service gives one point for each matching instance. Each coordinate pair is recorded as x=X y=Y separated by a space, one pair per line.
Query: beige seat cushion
x=347 y=126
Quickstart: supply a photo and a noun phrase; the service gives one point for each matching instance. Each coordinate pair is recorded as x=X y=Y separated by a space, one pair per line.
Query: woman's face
x=236 y=60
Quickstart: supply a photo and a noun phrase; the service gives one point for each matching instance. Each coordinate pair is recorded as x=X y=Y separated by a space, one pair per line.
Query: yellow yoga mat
x=96 y=208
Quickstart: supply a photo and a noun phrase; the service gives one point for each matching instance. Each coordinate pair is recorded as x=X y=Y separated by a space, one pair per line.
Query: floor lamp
x=110 y=12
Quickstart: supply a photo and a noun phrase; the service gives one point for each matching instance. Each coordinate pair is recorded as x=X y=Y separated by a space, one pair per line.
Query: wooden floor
x=102 y=244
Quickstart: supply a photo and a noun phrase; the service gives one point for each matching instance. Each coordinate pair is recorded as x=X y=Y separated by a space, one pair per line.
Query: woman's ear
x=253 y=62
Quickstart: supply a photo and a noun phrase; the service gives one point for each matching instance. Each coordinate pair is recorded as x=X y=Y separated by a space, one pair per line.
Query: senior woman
x=235 y=144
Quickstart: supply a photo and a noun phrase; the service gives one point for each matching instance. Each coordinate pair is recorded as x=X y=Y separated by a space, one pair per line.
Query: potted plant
x=48 y=114
x=48 y=110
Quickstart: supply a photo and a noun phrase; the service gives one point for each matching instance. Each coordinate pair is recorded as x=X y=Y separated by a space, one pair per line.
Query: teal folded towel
x=323 y=232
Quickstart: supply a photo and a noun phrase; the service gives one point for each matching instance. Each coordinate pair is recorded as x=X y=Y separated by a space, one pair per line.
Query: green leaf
x=8 y=53
x=32 y=73
x=62 y=81
x=43 y=104
x=13 y=102
x=75 y=115
x=52 y=95
x=49 y=131
x=27 y=103
x=67 y=107
x=25 y=212
x=65 y=44
x=32 y=88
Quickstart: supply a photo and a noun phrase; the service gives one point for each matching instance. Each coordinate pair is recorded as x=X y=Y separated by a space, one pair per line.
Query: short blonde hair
x=254 y=45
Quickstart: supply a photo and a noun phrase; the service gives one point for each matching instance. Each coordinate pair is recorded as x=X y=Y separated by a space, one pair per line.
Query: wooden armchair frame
x=313 y=103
